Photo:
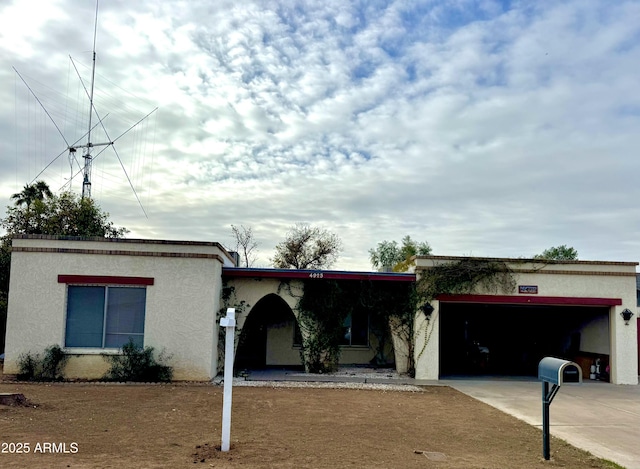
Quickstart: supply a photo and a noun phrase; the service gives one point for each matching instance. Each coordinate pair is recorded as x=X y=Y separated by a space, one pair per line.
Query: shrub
x=47 y=367
x=138 y=364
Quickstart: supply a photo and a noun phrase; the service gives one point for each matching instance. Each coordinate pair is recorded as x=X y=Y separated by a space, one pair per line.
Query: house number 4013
x=316 y=275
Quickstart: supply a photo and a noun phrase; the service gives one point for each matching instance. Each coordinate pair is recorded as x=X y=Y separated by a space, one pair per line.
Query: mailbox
x=555 y=372
x=558 y=371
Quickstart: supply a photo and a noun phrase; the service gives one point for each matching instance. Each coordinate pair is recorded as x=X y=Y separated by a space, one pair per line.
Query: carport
x=508 y=335
x=577 y=310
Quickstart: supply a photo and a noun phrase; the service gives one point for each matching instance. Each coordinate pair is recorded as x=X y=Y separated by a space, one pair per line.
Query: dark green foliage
x=63 y=215
x=558 y=253
x=48 y=367
x=389 y=255
x=28 y=365
x=32 y=192
x=138 y=364
x=323 y=308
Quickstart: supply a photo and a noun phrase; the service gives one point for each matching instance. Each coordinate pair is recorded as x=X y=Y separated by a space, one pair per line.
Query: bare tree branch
x=246 y=245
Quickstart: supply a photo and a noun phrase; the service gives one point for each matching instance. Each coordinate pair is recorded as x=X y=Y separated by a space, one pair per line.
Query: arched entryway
x=268 y=337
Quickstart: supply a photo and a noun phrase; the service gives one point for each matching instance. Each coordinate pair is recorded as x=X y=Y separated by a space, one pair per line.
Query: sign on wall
x=528 y=289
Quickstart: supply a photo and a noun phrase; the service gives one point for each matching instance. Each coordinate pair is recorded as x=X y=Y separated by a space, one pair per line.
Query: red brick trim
x=105 y=280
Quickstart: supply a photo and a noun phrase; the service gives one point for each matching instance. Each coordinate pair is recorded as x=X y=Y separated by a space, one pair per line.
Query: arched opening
x=268 y=337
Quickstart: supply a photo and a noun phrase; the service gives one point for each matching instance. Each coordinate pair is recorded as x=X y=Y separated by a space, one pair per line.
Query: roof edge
x=527 y=260
x=242 y=272
x=98 y=239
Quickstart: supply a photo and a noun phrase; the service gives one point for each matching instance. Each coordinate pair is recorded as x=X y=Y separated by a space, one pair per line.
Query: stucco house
x=91 y=295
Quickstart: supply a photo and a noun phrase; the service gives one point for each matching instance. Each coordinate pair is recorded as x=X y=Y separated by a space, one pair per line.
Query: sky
x=486 y=128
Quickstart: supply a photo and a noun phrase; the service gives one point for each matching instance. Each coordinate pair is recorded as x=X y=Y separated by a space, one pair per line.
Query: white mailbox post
x=228 y=322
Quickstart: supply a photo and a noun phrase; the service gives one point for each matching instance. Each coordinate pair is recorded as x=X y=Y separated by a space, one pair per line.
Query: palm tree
x=32 y=192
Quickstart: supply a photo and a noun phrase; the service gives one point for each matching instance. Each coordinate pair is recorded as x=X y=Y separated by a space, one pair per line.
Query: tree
x=64 y=215
x=398 y=258
x=307 y=247
x=245 y=244
x=32 y=192
x=558 y=253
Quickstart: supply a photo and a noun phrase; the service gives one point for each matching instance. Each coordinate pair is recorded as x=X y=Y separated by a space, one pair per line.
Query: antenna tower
x=86 y=171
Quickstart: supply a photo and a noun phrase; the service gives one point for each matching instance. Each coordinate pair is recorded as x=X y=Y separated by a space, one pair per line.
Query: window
x=356 y=329
x=104 y=316
x=355 y=326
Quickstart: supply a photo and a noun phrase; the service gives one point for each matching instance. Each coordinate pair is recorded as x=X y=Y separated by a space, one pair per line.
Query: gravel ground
x=301 y=380
x=238 y=382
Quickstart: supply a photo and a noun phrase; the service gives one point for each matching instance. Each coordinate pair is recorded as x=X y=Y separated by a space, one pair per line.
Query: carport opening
x=510 y=340
x=267 y=337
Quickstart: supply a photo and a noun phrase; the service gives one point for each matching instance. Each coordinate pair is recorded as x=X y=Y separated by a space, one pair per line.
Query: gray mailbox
x=555 y=372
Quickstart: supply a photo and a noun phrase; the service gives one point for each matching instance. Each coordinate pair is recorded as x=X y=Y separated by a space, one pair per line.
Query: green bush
x=138 y=364
x=47 y=367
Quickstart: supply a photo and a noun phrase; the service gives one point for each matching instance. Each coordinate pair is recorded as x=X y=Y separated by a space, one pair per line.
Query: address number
x=316 y=275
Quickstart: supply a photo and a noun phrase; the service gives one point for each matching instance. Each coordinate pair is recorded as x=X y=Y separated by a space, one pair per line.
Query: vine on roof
x=465 y=276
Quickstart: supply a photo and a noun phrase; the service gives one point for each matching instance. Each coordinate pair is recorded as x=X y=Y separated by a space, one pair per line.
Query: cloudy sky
x=487 y=128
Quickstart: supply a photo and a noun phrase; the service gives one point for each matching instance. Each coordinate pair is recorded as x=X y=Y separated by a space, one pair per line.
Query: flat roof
x=525 y=260
x=98 y=239
x=240 y=272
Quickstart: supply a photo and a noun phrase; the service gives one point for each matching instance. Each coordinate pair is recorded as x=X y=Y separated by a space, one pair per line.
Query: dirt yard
x=116 y=426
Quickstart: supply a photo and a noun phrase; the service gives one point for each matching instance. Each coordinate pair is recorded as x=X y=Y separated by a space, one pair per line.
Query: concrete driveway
x=598 y=417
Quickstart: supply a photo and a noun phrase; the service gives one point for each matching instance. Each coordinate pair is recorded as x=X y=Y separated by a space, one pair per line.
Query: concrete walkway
x=598 y=417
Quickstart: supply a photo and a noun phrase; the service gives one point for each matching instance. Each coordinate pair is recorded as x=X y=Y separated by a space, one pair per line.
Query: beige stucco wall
x=181 y=305
x=586 y=279
x=595 y=336
x=280 y=349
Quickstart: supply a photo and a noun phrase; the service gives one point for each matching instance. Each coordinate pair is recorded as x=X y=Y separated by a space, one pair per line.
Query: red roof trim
x=105 y=279
x=236 y=272
x=534 y=300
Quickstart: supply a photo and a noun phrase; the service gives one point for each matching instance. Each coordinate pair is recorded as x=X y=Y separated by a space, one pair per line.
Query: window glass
x=356 y=329
x=360 y=328
x=86 y=323
x=346 y=331
x=125 y=316
x=85 y=316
